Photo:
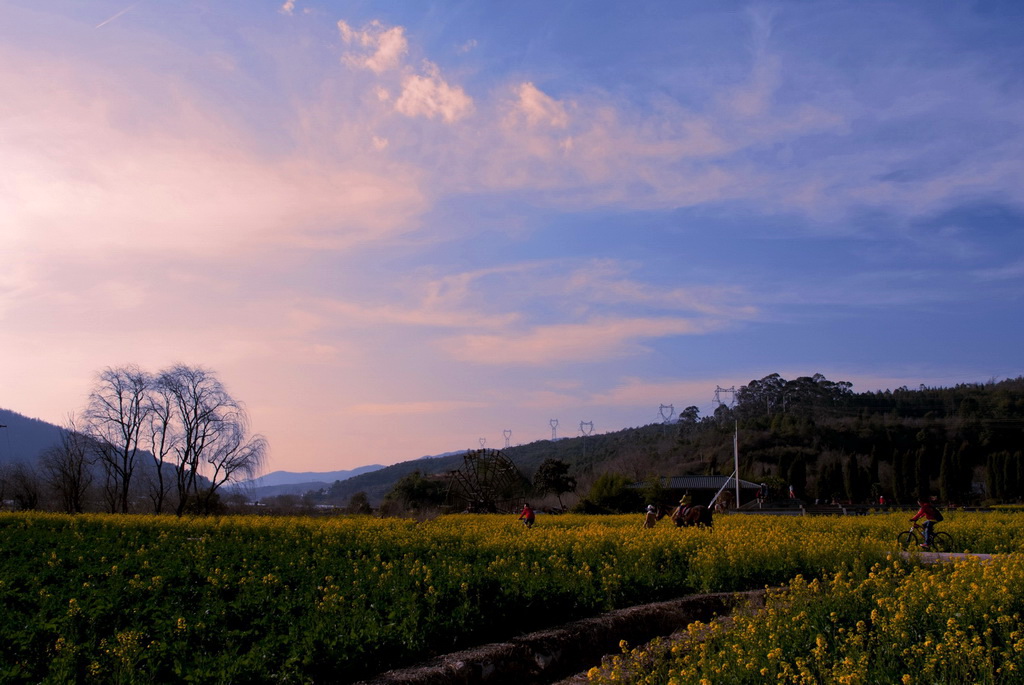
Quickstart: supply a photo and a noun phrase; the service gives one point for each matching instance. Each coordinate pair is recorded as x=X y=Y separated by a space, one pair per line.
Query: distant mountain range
x=293 y=477
x=299 y=483
x=23 y=440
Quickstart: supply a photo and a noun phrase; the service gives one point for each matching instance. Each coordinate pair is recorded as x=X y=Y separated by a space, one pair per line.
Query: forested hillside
x=962 y=444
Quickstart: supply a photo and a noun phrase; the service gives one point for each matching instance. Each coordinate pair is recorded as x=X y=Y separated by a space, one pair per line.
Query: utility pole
x=735 y=438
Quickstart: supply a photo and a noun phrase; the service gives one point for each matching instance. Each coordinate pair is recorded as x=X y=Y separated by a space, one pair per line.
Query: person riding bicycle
x=527 y=516
x=931 y=516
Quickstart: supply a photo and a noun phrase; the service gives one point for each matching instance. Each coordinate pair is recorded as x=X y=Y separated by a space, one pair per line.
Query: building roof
x=701 y=483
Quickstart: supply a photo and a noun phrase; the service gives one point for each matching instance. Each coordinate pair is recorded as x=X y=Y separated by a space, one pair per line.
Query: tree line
x=961 y=444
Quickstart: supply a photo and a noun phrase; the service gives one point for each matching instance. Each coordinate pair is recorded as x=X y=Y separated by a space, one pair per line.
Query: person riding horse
x=690 y=514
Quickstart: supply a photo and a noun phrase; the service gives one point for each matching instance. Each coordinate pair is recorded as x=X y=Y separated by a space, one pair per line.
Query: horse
x=696 y=515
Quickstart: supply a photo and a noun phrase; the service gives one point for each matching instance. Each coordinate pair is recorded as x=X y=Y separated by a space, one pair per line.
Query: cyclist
x=931 y=516
x=527 y=516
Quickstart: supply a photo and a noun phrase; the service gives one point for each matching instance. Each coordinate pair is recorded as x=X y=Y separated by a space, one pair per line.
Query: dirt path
x=548 y=656
x=946 y=557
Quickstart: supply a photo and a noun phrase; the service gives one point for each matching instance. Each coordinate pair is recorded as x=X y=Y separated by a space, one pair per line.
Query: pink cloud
x=404 y=408
x=424 y=93
x=430 y=96
x=383 y=48
x=595 y=340
x=90 y=173
x=538 y=108
x=637 y=392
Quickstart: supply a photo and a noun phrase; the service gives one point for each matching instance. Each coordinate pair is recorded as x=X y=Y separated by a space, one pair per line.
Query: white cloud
x=424 y=93
x=429 y=96
x=288 y=7
x=538 y=108
x=384 y=48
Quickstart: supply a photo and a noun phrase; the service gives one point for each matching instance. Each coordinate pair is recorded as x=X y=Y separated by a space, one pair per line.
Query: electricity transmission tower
x=554 y=429
x=718 y=395
x=586 y=428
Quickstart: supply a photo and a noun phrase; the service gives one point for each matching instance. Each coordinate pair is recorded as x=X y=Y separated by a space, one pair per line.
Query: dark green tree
x=993 y=476
x=653 y=491
x=611 y=492
x=854 y=479
x=872 y=474
x=359 y=503
x=552 y=476
x=947 y=477
x=900 y=491
x=797 y=474
x=922 y=490
x=830 y=480
x=415 y=491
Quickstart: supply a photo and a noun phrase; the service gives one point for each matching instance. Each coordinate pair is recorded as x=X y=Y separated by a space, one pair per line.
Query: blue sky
x=394 y=229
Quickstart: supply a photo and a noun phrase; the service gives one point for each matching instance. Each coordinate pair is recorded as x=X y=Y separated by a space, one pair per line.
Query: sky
x=409 y=228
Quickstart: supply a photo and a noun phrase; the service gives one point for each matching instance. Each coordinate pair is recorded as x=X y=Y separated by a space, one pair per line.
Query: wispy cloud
x=751 y=141
x=118 y=14
x=182 y=183
x=590 y=341
x=405 y=408
x=638 y=392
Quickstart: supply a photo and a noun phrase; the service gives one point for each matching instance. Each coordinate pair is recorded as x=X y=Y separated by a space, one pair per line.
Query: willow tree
x=209 y=435
x=113 y=419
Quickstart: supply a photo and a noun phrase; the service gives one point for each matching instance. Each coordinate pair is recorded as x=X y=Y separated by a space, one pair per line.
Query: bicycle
x=941 y=541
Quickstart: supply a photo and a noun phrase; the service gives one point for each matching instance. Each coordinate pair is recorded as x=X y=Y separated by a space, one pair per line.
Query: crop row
x=891 y=623
x=95 y=598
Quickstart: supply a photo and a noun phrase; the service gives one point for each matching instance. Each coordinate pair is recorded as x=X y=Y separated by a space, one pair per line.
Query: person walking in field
x=931 y=515
x=652 y=516
x=527 y=516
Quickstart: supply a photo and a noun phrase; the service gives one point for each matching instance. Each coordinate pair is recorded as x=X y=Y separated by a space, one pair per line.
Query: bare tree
x=232 y=455
x=114 y=418
x=162 y=439
x=24 y=487
x=67 y=467
x=211 y=442
x=5 y=484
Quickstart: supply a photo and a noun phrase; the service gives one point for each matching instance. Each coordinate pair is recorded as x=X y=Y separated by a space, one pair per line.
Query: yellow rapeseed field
x=95 y=598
